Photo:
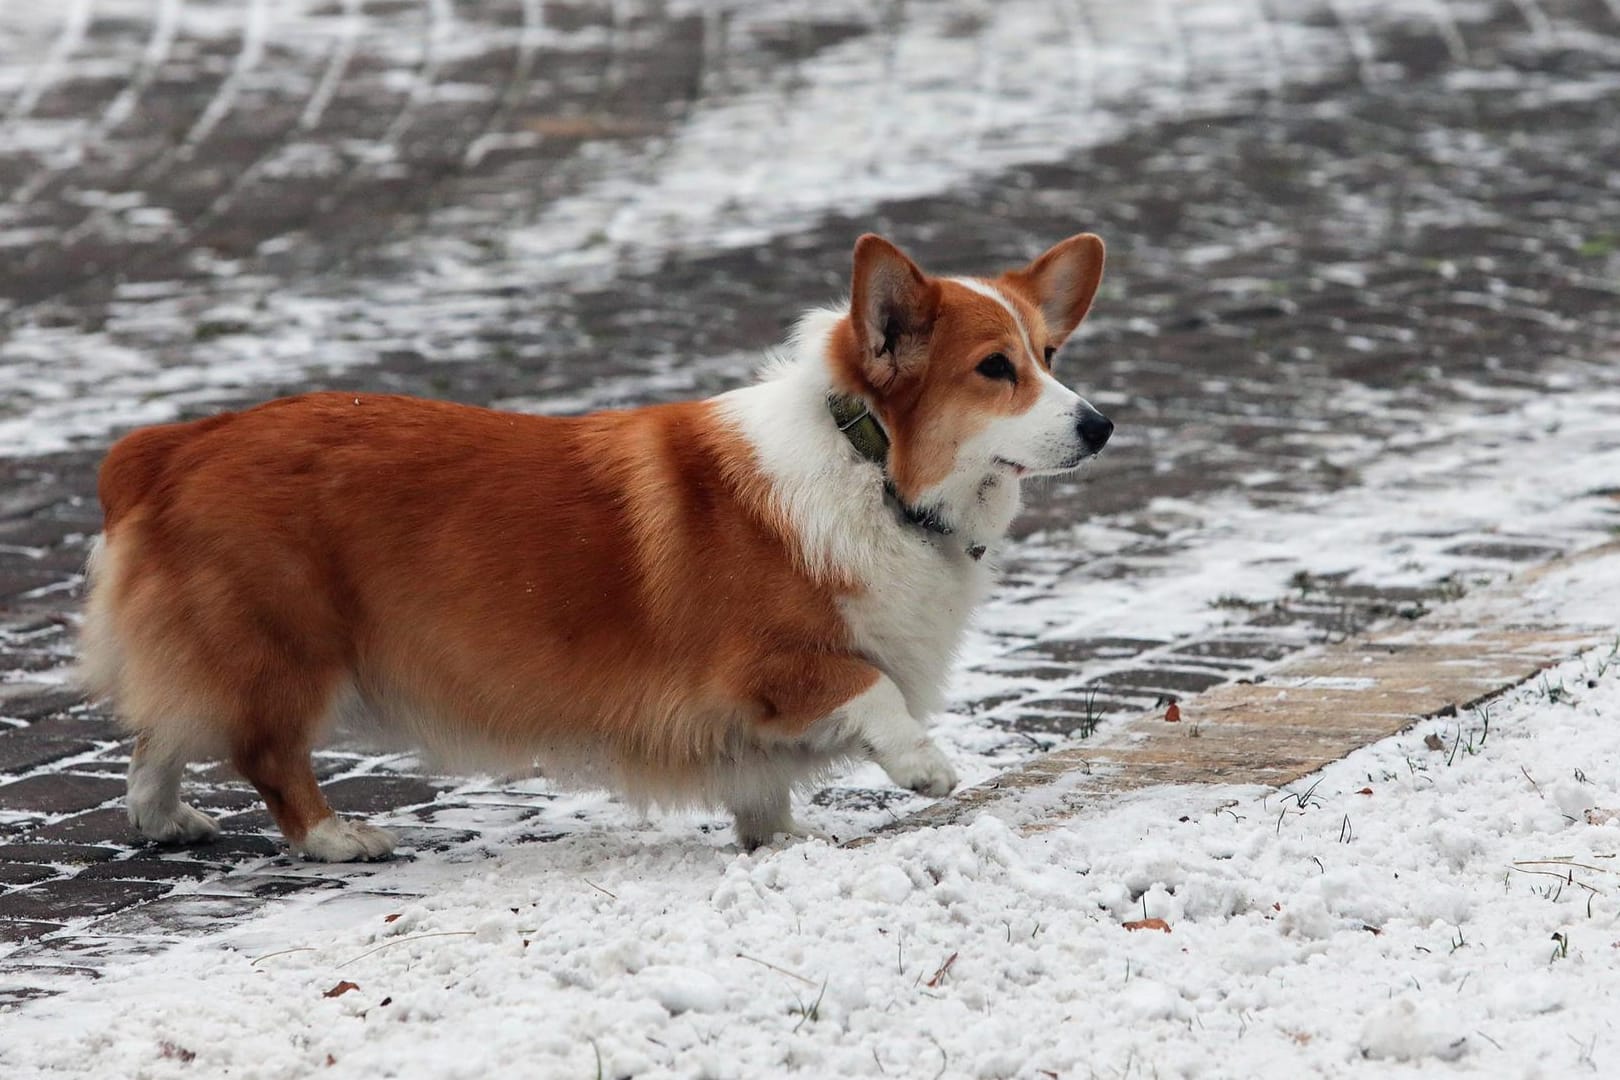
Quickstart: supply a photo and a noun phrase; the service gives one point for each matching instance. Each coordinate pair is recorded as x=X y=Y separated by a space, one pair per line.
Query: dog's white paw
x=335 y=839
x=176 y=823
x=923 y=769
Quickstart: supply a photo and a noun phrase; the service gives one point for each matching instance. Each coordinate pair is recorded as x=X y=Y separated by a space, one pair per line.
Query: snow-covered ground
x=1456 y=909
x=1399 y=907
x=1402 y=906
x=1326 y=929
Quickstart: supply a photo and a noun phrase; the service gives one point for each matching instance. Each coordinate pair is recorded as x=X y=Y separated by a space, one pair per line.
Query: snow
x=1462 y=916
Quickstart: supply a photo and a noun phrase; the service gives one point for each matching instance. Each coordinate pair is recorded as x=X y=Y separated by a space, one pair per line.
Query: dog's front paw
x=334 y=839
x=923 y=769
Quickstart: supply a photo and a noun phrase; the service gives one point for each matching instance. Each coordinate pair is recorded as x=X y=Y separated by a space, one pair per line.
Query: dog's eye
x=1050 y=352
x=997 y=366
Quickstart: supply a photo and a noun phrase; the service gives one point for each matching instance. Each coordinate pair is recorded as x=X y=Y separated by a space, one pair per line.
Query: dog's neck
x=865 y=433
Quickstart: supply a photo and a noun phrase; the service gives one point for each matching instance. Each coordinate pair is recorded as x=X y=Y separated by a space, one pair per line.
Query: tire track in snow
x=251 y=51
x=354 y=21
x=339 y=56
x=158 y=45
x=1077 y=24
x=255 y=33
x=517 y=85
x=1445 y=24
x=75 y=23
x=435 y=35
x=1359 y=43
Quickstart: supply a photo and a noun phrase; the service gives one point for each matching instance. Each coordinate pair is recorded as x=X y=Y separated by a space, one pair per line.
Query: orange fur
x=610 y=587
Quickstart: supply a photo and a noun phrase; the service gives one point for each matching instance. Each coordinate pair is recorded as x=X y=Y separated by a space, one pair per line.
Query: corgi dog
x=703 y=603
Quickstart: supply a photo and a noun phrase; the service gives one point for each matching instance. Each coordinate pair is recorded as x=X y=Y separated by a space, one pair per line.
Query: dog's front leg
x=878 y=719
x=831 y=706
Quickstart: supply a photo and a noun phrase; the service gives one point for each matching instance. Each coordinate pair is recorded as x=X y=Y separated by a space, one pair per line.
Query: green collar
x=854 y=418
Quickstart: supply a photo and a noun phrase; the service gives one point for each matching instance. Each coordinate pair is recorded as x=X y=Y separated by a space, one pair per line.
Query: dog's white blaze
x=984 y=288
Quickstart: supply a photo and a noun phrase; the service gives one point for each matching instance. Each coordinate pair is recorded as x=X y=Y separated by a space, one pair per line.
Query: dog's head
x=959 y=370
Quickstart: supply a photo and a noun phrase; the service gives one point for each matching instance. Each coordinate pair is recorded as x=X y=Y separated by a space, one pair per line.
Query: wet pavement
x=1385 y=217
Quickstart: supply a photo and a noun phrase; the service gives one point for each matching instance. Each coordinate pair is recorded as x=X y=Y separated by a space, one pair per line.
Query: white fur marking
x=154 y=805
x=984 y=288
x=336 y=839
x=918 y=589
x=879 y=718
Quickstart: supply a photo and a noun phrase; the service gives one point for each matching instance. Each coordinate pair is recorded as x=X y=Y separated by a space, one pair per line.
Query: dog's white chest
x=909 y=621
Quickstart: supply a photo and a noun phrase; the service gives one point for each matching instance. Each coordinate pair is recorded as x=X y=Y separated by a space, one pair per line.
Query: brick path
x=1406 y=215
x=1279 y=727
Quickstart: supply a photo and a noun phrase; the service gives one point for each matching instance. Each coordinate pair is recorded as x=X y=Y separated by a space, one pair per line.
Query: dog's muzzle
x=1094 y=429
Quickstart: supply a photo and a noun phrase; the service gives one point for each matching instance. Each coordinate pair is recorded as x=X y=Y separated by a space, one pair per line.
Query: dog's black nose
x=1094 y=429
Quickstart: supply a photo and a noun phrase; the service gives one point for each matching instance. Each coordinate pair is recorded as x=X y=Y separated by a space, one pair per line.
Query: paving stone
x=141 y=868
x=430 y=840
x=1237 y=649
x=13 y=874
x=15 y=580
x=270 y=886
x=59 y=793
x=1089 y=649
x=38 y=705
x=249 y=823
x=376 y=794
x=79 y=724
x=60 y=854
x=15 y=930
x=1042 y=674
x=1180 y=680
x=72 y=898
x=23 y=750
x=848 y=798
x=106 y=826
x=230 y=847
x=217 y=800
x=1071 y=716
x=1508 y=552
x=188 y=913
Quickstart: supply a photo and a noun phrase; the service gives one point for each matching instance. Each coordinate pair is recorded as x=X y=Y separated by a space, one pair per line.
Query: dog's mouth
x=1012 y=466
x=1020 y=470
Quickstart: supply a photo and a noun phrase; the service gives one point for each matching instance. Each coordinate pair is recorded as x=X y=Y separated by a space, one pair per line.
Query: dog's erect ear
x=892 y=307
x=1062 y=283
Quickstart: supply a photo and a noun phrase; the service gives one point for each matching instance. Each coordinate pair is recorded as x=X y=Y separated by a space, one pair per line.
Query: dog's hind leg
x=762 y=810
x=155 y=809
